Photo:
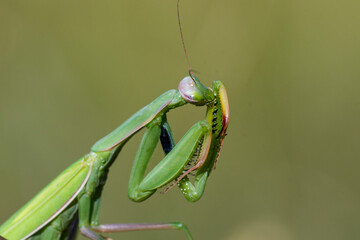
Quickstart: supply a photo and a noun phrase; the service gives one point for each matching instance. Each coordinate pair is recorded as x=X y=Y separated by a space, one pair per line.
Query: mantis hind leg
x=126 y=227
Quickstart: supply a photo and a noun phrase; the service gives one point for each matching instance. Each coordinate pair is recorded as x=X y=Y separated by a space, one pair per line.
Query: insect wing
x=47 y=204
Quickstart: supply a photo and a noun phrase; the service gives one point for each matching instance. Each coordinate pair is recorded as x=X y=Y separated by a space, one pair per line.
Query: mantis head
x=194 y=92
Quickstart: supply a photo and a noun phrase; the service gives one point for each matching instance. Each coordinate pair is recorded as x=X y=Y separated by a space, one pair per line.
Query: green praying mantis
x=72 y=200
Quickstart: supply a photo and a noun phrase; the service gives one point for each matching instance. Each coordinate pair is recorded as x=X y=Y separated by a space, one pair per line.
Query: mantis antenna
x=183 y=42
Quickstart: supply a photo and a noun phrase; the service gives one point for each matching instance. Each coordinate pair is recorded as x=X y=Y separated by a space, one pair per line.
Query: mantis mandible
x=72 y=199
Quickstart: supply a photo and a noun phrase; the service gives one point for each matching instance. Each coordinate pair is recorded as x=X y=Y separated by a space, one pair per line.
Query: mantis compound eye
x=194 y=92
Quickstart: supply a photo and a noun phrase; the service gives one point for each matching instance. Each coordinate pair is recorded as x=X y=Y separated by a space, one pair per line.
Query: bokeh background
x=72 y=71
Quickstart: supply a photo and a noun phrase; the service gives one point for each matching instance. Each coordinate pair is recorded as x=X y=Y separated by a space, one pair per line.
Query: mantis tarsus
x=73 y=198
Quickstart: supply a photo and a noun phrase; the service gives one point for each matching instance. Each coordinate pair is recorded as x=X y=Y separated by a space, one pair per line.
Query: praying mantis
x=72 y=200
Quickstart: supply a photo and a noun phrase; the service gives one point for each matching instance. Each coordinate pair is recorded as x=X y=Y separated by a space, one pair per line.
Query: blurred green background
x=72 y=71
